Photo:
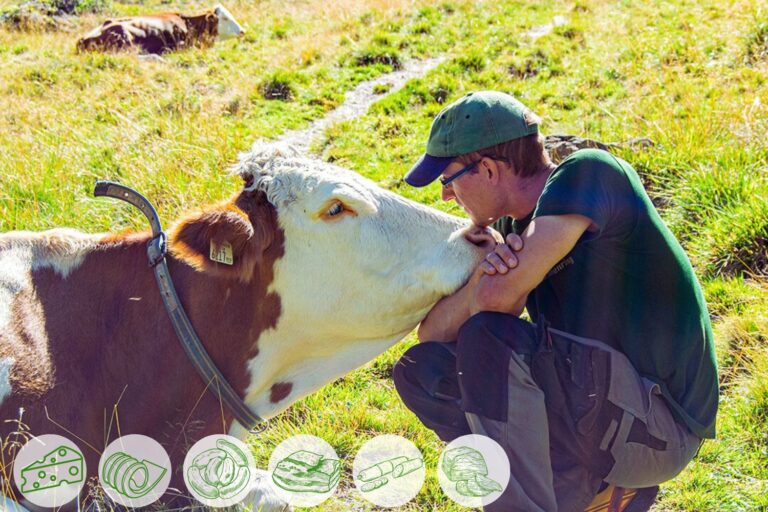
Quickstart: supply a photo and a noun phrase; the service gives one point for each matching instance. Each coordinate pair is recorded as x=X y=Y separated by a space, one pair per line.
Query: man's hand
x=547 y=240
x=503 y=257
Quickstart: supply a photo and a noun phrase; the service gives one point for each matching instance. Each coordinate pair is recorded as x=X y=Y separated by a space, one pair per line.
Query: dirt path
x=542 y=30
x=357 y=102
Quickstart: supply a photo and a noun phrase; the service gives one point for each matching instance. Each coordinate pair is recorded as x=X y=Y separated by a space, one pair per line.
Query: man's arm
x=546 y=241
x=443 y=321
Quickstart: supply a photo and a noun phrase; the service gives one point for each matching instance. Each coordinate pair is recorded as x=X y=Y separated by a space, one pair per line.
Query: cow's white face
x=228 y=27
x=361 y=268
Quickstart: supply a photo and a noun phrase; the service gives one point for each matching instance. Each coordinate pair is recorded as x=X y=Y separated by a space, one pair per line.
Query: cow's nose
x=483 y=237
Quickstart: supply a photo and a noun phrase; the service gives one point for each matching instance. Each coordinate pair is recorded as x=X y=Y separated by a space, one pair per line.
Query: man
x=616 y=379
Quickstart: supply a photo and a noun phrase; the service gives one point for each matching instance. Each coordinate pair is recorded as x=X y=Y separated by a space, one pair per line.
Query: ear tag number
x=222 y=253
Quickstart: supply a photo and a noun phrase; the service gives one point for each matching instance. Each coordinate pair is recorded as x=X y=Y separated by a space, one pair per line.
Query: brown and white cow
x=162 y=32
x=329 y=271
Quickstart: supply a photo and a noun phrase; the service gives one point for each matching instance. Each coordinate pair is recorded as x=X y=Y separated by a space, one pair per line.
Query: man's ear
x=490 y=168
x=217 y=240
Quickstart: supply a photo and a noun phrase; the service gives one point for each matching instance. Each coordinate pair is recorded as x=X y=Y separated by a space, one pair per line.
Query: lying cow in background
x=328 y=271
x=163 y=32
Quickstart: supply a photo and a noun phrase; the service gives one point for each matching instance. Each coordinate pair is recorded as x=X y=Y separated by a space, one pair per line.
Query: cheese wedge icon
x=60 y=466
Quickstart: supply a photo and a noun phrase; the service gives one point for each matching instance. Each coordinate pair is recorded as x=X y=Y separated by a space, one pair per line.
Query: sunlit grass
x=690 y=76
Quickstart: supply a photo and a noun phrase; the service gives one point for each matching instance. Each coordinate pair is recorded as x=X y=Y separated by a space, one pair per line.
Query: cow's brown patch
x=279 y=391
x=106 y=356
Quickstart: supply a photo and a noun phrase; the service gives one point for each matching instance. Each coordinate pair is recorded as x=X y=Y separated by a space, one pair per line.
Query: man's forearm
x=494 y=294
x=443 y=322
x=479 y=294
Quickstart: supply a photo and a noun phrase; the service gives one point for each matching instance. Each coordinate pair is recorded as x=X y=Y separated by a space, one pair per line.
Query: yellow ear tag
x=222 y=253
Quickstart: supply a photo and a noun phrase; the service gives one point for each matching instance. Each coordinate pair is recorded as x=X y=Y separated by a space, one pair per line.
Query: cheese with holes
x=63 y=465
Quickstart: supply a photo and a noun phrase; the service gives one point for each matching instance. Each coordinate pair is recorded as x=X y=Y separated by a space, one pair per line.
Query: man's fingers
x=487 y=268
x=503 y=256
x=506 y=255
x=514 y=241
x=495 y=260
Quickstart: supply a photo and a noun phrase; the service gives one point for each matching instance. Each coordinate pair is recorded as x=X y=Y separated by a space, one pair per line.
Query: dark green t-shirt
x=628 y=284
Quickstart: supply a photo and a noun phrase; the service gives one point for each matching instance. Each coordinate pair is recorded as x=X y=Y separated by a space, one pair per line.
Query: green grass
x=690 y=76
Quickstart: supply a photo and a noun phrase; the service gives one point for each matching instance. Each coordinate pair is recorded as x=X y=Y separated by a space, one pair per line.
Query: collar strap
x=156 y=251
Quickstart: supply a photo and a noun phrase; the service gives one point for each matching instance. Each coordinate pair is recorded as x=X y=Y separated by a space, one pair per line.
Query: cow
x=162 y=32
x=327 y=271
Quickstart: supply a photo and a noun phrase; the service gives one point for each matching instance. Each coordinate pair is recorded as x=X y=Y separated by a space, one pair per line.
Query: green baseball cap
x=478 y=120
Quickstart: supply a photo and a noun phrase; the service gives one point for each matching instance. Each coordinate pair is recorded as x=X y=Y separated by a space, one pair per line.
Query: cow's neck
x=202 y=28
x=293 y=363
x=120 y=345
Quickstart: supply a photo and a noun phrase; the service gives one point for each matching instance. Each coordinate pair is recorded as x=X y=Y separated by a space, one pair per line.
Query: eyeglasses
x=445 y=181
x=448 y=179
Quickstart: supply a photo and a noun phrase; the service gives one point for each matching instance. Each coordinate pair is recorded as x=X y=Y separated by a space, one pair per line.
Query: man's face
x=472 y=191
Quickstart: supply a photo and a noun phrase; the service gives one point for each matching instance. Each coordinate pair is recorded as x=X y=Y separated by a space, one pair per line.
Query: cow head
x=228 y=27
x=359 y=267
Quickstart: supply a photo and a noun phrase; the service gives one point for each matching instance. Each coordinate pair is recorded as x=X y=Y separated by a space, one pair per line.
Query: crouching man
x=615 y=380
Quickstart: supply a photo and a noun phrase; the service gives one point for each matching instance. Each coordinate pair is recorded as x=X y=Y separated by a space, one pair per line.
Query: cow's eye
x=335 y=209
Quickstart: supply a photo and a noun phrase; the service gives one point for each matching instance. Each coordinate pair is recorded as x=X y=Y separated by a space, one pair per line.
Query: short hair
x=526 y=155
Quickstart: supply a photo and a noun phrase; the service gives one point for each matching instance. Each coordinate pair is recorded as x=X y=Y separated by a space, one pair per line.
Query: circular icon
x=49 y=470
x=219 y=470
x=305 y=470
x=389 y=471
x=473 y=470
x=135 y=470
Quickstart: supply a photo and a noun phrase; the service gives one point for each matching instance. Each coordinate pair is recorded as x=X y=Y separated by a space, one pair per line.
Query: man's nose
x=447 y=193
x=483 y=237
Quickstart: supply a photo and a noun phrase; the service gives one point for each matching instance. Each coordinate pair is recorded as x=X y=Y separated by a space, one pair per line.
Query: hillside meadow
x=690 y=76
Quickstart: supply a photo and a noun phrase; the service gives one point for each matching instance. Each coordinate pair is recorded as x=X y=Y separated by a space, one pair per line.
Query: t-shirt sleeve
x=591 y=183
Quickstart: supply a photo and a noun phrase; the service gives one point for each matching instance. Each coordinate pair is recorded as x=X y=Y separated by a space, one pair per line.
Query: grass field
x=692 y=76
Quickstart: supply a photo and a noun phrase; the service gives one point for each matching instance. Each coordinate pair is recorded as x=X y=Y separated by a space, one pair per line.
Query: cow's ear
x=217 y=240
x=212 y=24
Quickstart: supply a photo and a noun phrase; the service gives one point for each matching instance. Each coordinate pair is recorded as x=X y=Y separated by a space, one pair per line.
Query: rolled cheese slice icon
x=130 y=477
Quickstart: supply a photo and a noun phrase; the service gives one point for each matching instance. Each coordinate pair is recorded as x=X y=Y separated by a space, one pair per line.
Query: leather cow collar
x=157 y=248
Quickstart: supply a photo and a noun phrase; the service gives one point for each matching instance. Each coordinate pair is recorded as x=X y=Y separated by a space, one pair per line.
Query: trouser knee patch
x=486 y=343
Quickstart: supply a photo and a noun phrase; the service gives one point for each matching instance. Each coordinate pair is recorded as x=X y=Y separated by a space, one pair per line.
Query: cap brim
x=427 y=169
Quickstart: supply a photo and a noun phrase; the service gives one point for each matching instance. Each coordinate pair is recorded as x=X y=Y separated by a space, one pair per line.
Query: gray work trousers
x=483 y=384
